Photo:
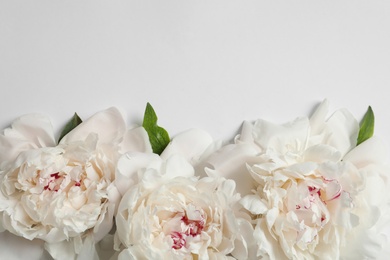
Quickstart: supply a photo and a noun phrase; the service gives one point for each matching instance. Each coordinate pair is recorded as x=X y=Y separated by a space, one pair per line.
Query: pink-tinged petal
x=371 y=151
x=344 y=130
x=128 y=167
x=108 y=124
x=136 y=140
x=190 y=144
x=27 y=132
x=333 y=190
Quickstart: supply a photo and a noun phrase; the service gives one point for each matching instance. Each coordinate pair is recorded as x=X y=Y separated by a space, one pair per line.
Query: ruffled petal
x=291 y=136
x=254 y=204
x=245 y=246
x=231 y=163
x=128 y=166
x=106 y=219
x=27 y=132
x=268 y=246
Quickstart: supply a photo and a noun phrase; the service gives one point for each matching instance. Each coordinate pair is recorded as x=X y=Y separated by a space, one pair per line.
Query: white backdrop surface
x=205 y=64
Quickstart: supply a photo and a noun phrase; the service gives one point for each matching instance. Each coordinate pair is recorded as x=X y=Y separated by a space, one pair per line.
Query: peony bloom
x=64 y=194
x=169 y=213
x=315 y=194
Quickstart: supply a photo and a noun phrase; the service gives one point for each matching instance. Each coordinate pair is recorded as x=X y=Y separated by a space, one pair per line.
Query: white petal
x=271 y=217
x=317 y=120
x=371 y=151
x=128 y=166
x=108 y=124
x=88 y=250
x=246 y=135
x=344 y=131
x=231 y=161
x=366 y=244
x=27 y=132
x=191 y=144
x=61 y=251
x=177 y=166
x=137 y=252
x=14 y=247
x=322 y=153
x=245 y=245
x=105 y=248
x=105 y=223
x=128 y=254
x=282 y=138
x=268 y=247
x=136 y=140
x=254 y=204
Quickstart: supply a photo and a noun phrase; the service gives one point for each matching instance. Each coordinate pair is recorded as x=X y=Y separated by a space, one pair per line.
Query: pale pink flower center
x=317 y=196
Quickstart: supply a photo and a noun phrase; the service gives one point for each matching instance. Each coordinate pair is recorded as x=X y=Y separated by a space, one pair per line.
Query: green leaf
x=158 y=136
x=73 y=122
x=366 y=126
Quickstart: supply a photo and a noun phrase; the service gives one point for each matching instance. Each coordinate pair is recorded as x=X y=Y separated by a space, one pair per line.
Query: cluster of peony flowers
x=301 y=190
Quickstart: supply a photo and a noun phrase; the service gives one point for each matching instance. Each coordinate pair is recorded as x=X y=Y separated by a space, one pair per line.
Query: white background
x=206 y=64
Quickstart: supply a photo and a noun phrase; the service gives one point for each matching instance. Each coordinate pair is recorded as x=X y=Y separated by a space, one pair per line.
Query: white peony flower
x=316 y=194
x=64 y=194
x=169 y=213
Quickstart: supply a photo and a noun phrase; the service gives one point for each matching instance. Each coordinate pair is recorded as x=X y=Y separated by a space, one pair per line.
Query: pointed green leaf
x=73 y=122
x=158 y=136
x=366 y=126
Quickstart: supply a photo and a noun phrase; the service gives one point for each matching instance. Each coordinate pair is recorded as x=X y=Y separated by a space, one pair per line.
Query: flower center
x=178 y=240
x=190 y=225
x=193 y=227
x=311 y=211
x=53 y=182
